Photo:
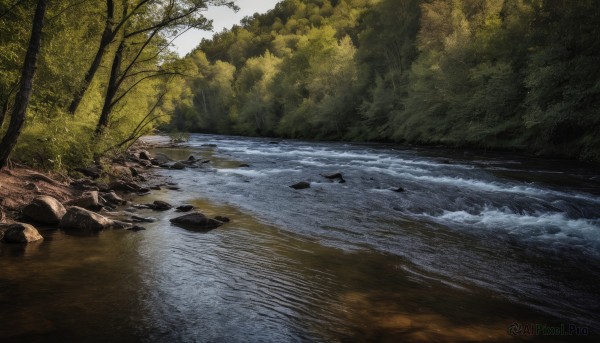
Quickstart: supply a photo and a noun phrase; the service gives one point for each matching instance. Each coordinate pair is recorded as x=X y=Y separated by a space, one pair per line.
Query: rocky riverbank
x=94 y=201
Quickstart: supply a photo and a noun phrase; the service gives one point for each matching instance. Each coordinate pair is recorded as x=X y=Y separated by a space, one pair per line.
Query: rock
x=139 y=219
x=156 y=188
x=300 y=185
x=177 y=165
x=145 y=164
x=45 y=209
x=398 y=190
x=20 y=233
x=140 y=207
x=173 y=188
x=196 y=221
x=209 y=145
x=273 y=142
x=335 y=176
x=117 y=224
x=121 y=172
x=9 y=204
x=161 y=159
x=222 y=219
x=92 y=172
x=160 y=205
x=88 y=200
x=136 y=228
x=134 y=172
x=78 y=218
x=184 y=208
x=124 y=186
x=191 y=159
x=332 y=176
x=112 y=197
x=244 y=165
x=144 y=155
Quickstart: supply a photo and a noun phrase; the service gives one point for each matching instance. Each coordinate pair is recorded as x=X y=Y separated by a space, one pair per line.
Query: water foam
x=542 y=226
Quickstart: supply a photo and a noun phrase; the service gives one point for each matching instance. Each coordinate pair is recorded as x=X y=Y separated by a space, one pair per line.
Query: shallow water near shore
x=475 y=244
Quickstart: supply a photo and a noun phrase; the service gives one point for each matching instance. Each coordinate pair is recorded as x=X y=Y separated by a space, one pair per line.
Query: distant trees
x=509 y=74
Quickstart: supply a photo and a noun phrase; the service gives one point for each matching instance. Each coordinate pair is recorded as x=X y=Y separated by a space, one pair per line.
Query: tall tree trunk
x=22 y=98
x=111 y=88
x=107 y=36
x=3 y=112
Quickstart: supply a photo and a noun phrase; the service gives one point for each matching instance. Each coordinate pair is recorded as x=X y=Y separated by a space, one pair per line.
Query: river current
x=473 y=244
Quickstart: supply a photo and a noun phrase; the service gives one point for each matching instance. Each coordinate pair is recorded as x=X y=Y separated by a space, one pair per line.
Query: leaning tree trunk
x=111 y=89
x=22 y=98
x=107 y=36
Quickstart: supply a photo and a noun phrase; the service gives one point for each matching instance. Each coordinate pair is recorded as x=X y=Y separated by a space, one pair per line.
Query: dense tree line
x=81 y=78
x=508 y=74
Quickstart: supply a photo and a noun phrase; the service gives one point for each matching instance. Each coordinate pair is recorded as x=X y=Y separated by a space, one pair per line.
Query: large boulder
x=78 y=218
x=196 y=221
x=45 y=209
x=87 y=200
x=20 y=233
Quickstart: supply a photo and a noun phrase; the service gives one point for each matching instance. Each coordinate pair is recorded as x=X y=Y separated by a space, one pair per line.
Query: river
x=476 y=244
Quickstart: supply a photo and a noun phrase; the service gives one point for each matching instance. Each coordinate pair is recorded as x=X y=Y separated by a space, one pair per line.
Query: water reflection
x=262 y=280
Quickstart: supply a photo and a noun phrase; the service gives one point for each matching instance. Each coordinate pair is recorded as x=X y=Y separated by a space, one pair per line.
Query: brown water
x=253 y=280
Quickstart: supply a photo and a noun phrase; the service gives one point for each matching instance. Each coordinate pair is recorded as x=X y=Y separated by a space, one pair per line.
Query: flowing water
x=475 y=244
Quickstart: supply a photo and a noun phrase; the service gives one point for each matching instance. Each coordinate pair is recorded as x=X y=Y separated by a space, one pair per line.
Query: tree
x=166 y=18
x=26 y=84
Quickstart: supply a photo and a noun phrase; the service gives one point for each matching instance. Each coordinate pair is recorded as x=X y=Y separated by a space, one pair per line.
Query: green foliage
x=130 y=86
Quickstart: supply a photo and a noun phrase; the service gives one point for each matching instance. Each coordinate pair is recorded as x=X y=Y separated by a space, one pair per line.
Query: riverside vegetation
x=501 y=74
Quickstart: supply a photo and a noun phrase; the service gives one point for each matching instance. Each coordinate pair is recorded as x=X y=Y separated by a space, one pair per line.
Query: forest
x=518 y=75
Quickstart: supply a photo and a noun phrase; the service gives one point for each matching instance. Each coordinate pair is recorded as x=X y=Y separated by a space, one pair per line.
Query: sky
x=222 y=17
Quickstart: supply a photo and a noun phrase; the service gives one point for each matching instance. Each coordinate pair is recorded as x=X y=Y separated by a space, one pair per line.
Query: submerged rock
x=140 y=219
x=177 y=165
x=184 y=208
x=222 y=219
x=335 y=176
x=45 y=209
x=136 y=228
x=20 y=233
x=301 y=185
x=398 y=190
x=196 y=221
